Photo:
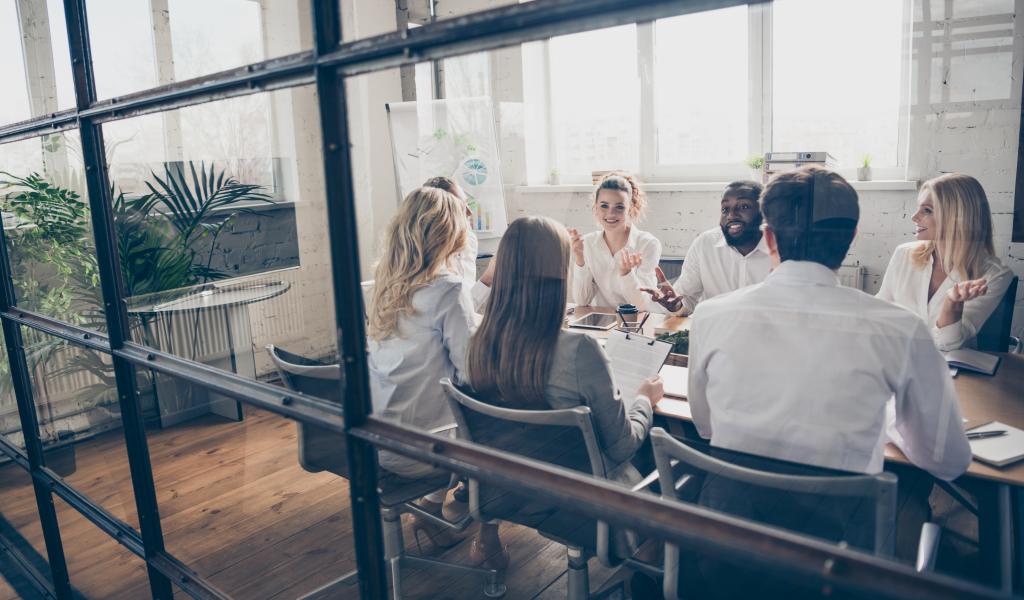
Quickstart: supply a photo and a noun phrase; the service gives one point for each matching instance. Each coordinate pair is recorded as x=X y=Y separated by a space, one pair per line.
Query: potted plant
x=864 y=171
x=756 y=164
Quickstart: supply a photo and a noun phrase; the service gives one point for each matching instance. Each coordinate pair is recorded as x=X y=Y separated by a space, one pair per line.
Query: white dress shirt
x=598 y=282
x=799 y=368
x=712 y=267
x=430 y=343
x=907 y=285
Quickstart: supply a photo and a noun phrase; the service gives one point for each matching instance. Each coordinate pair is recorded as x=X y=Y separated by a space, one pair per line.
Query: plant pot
x=864 y=174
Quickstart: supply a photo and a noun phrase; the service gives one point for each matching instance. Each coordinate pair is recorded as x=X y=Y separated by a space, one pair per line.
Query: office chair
x=685 y=471
x=994 y=335
x=571 y=432
x=324 y=450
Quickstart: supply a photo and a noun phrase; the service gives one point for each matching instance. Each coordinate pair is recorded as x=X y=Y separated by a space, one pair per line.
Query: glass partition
x=221 y=220
x=147 y=44
x=36 y=69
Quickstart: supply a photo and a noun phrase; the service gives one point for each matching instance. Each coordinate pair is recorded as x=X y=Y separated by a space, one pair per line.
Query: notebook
x=998 y=451
x=676 y=379
x=634 y=359
x=972 y=360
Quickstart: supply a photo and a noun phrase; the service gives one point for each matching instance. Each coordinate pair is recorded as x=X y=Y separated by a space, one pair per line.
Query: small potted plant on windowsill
x=864 y=171
x=756 y=164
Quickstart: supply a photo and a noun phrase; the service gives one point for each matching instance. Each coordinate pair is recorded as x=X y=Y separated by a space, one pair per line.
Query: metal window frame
x=327 y=66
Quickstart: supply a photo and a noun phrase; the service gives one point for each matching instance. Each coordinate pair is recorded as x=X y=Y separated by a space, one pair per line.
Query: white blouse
x=430 y=343
x=598 y=283
x=907 y=285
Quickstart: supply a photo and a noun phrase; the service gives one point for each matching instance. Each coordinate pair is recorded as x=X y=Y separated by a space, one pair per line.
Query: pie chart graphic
x=474 y=171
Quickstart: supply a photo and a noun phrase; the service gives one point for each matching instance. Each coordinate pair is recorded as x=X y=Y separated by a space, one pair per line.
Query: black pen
x=981 y=435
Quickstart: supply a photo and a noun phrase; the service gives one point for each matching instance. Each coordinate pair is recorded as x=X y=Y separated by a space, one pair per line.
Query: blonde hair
x=964 y=233
x=429 y=228
x=510 y=355
x=622 y=181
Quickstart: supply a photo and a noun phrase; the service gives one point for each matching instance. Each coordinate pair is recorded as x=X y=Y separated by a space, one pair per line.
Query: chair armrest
x=646 y=482
x=928 y=547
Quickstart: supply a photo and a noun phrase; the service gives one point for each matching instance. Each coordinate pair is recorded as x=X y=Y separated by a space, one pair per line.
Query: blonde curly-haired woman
x=420 y=323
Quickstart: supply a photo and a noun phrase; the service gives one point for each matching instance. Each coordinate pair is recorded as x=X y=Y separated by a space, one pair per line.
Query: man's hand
x=665 y=295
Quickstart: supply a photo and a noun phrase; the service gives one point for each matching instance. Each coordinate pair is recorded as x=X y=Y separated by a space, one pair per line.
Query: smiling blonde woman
x=950 y=276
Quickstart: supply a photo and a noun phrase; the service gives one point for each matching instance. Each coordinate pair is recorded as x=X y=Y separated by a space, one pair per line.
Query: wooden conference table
x=983 y=398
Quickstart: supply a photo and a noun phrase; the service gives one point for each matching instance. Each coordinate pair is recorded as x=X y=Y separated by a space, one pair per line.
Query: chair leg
x=394 y=548
x=578 y=576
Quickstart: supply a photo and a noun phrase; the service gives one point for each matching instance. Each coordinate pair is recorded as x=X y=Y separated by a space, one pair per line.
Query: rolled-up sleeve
x=975 y=312
x=689 y=287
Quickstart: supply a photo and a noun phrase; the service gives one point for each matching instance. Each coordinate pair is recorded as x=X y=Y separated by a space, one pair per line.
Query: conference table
x=983 y=398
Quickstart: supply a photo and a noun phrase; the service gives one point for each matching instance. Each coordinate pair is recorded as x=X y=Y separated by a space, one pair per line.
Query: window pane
x=98 y=566
x=80 y=421
x=221 y=218
x=35 y=65
x=49 y=230
x=247 y=506
x=701 y=104
x=139 y=45
x=19 y=523
x=831 y=91
x=595 y=102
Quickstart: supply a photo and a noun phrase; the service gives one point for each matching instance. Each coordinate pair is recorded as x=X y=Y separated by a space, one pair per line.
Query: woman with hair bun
x=950 y=277
x=611 y=265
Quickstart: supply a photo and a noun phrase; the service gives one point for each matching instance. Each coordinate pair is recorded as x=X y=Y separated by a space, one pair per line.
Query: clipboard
x=634 y=359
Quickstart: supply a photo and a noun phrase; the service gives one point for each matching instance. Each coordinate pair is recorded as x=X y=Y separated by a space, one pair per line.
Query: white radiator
x=852 y=276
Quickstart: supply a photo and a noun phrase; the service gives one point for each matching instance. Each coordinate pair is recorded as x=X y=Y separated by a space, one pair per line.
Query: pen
x=981 y=435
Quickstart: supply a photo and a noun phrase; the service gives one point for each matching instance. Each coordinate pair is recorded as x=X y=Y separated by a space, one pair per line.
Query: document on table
x=634 y=358
x=1001 y=450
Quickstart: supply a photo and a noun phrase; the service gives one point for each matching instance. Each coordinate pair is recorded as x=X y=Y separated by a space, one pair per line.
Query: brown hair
x=428 y=229
x=622 y=181
x=964 y=235
x=510 y=355
x=813 y=213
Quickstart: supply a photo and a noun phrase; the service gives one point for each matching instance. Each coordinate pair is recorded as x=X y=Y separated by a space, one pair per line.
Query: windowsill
x=708 y=186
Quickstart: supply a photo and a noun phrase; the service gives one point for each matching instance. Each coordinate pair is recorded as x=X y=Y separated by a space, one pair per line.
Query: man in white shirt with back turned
x=799 y=368
x=725 y=258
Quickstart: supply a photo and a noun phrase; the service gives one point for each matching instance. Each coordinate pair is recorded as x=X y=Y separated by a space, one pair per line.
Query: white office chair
x=565 y=435
x=682 y=471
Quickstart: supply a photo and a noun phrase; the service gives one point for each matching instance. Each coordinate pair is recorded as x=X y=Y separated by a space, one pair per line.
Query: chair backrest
x=994 y=335
x=467 y=408
x=319 y=448
x=671 y=266
x=541 y=435
x=878 y=492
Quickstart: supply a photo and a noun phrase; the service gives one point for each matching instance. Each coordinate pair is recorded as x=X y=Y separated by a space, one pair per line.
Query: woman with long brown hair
x=522 y=357
x=950 y=276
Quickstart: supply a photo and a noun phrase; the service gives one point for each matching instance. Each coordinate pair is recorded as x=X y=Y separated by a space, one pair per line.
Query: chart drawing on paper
x=453 y=138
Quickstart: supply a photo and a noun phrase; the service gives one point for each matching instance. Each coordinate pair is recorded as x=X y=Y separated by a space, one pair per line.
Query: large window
x=647 y=98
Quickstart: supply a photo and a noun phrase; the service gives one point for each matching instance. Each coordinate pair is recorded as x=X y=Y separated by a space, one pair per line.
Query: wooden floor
x=237 y=508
